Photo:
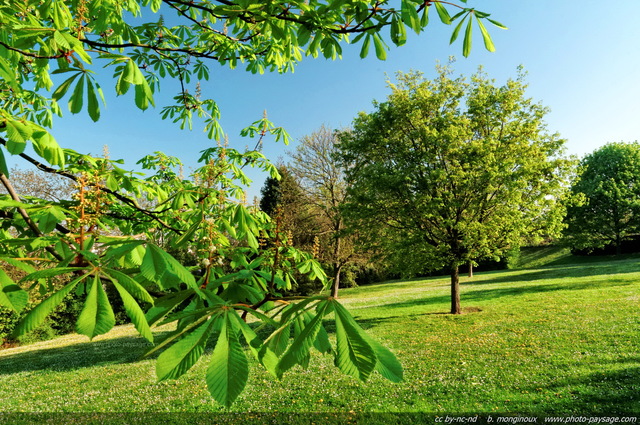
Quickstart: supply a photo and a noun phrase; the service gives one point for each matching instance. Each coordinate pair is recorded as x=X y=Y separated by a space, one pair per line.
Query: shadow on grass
x=127 y=349
x=491 y=294
x=604 y=393
x=552 y=272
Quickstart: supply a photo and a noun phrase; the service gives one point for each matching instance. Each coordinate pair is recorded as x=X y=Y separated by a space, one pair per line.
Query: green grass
x=557 y=340
x=540 y=256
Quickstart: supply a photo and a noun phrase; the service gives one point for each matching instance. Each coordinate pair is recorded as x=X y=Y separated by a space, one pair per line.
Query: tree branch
x=32 y=225
x=131 y=202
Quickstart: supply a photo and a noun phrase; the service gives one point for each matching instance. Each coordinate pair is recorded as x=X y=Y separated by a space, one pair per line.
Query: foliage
x=108 y=242
x=285 y=202
x=322 y=180
x=607 y=193
x=447 y=171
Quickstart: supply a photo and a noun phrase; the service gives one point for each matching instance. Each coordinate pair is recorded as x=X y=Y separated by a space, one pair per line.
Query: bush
x=60 y=322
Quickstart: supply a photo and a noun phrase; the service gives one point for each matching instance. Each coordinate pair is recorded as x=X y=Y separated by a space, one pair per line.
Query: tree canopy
x=607 y=198
x=448 y=170
x=143 y=42
x=122 y=233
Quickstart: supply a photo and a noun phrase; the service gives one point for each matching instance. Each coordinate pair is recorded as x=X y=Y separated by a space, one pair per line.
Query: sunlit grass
x=558 y=340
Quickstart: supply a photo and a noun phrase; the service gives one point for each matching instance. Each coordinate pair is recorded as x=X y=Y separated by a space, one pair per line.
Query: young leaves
x=178 y=359
x=468 y=16
x=299 y=349
x=229 y=370
x=132 y=308
x=160 y=267
x=76 y=101
x=97 y=316
x=11 y=295
x=354 y=355
x=38 y=314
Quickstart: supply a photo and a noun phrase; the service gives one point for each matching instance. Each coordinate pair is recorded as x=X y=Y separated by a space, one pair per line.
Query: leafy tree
x=284 y=199
x=447 y=171
x=607 y=190
x=322 y=180
x=57 y=50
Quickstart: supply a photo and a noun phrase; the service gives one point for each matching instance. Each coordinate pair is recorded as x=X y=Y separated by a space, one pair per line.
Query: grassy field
x=553 y=340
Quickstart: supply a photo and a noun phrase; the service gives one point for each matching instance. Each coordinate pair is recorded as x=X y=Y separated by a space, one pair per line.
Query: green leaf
x=18 y=134
x=364 y=51
x=176 y=360
x=488 y=42
x=64 y=87
x=229 y=370
x=77 y=47
x=354 y=355
x=92 y=100
x=443 y=13
x=122 y=250
x=456 y=31
x=155 y=5
x=300 y=346
x=3 y=164
x=42 y=310
x=176 y=335
x=410 y=16
x=122 y=85
x=132 y=73
x=61 y=40
x=188 y=235
x=398 y=32
x=497 y=24
x=262 y=352
x=134 y=312
x=97 y=316
x=131 y=286
x=160 y=267
x=56 y=271
x=424 y=20
x=76 y=99
x=165 y=305
x=381 y=50
x=466 y=44
x=321 y=343
x=144 y=95
x=45 y=145
x=25 y=267
x=48 y=217
x=8 y=73
x=279 y=339
x=386 y=362
x=11 y=295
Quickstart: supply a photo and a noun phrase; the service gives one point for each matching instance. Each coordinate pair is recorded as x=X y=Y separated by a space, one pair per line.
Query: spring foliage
x=448 y=171
x=173 y=249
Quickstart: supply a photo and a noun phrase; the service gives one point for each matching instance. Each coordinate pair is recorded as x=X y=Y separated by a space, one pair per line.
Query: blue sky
x=582 y=58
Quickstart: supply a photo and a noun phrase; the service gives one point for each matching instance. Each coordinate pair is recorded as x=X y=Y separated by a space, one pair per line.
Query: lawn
x=554 y=340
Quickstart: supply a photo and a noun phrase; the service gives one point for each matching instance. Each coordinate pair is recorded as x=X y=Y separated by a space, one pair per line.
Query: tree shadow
x=603 y=393
x=490 y=294
x=126 y=349
x=553 y=272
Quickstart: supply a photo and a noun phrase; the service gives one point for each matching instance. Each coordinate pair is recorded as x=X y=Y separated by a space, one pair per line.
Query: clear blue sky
x=582 y=58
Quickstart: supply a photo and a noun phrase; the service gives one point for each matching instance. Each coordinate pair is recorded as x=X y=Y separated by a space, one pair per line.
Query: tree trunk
x=336 y=281
x=618 y=244
x=455 y=291
x=470 y=268
x=337 y=265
